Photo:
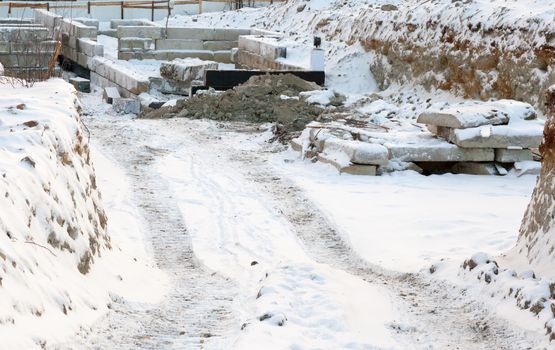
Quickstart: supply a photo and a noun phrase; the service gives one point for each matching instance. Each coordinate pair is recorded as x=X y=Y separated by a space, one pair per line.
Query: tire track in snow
x=439 y=315
x=197 y=306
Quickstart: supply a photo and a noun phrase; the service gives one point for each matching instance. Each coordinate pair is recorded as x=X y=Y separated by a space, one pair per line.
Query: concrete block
x=353 y=169
x=120 y=75
x=109 y=32
x=521 y=135
x=476 y=168
x=264 y=32
x=90 y=47
x=234 y=55
x=441 y=152
x=5 y=47
x=77 y=29
x=83 y=60
x=512 y=155
x=140 y=32
x=174 y=87
x=179 y=44
x=126 y=105
x=357 y=152
x=89 y=22
x=68 y=40
x=267 y=47
x=463 y=119
x=169 y=55
x=223 y=56
x=109 y=94
x=219 y=45
x=317 y=60
x=99 y=81
x=137 y=55
x=135 y=43
x=81 y=84
x=186 y=70
x=21 y=34
x=115 y=23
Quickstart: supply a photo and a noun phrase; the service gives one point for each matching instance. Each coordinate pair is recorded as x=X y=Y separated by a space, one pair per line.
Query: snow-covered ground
x=49 y=218
x=406 y=221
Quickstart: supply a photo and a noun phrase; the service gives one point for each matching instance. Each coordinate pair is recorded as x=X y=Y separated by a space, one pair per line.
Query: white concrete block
x=441 y=152
x=90 y=47
x=179 y=44
x=109 y=94
x=140 y=32
x=512 y=155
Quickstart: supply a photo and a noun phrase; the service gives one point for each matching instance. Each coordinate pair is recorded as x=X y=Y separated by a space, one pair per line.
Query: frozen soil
x=262 y=99
x=200 y=311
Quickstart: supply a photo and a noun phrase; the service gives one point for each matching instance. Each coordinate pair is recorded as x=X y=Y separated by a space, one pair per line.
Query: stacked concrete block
x=78 y=37
x=106 y=73
x=264 y=52
x=81 y=84
x=176 y=42
x=24 y=46
x=179 y=74
x=508 y=129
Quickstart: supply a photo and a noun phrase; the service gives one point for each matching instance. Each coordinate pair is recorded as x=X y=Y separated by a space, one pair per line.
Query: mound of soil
x=262 y=99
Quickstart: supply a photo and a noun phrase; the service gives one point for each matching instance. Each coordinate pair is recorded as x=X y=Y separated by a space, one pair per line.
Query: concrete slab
x=353 y=169
x=90 y=47
x=512 y=155
x=179 y=44
x=522 y=135
x=442 y=152
x=169 y=55
x=475 y=168
x=357 y=152
x=223 y=56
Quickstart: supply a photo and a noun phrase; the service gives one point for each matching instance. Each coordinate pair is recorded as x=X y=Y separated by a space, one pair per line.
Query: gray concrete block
x=90 y=47
x=219 y=45
x=140 y=32
x=137 y=55
x=521 y=135
x=21 y=34
x=223 y=56
x=115 y=23
x=353 y=169
x=126 y=105
x=179 y=44
x=452 y=119
x=512 y=155
x=357 y=152
x=170 y=55
x=81 y=84
x=68 y=40
x=442 y=152
x=135 y=44
x=186 y=70
x=109 y=94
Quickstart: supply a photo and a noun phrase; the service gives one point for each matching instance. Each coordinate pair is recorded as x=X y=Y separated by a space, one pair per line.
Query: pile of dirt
x=262 y=99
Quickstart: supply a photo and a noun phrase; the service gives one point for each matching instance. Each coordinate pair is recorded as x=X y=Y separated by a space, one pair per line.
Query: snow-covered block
x=90 y=22
x=356 y=152
x=140 y=32
x=219 y=45
x=110 y=93
x=525 y=134
x=90 y=47
x=473 y=114
x=353 y=169
x=81 y=84
x=127 y=105
x=119 y=74
x=512 y=155
x=186 y=69
x=267 y=47
x=438 y=152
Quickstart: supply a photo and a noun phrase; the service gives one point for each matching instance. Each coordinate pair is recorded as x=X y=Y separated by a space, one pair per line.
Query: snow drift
x=52 y=226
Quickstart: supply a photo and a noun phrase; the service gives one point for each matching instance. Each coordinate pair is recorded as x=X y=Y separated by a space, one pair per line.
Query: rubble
x=262 y=99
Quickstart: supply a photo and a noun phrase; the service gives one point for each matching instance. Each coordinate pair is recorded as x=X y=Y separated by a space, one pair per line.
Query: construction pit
x=259 y=76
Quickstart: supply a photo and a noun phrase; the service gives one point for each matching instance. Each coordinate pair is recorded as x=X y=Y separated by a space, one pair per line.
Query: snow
x=44 y=297
x=406 y=221
x=233 y=225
